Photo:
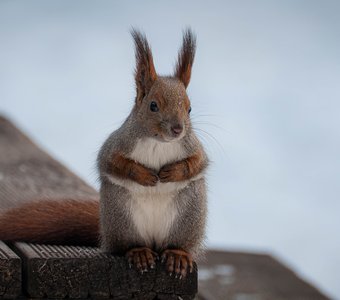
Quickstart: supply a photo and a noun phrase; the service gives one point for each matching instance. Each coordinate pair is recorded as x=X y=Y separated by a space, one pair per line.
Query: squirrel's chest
x=153 y=209
x=155 y=154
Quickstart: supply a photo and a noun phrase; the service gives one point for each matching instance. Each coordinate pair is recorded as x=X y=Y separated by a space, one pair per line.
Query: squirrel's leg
x=188 y=230
x=177 y=261
x=117 y=230
x=142 y=258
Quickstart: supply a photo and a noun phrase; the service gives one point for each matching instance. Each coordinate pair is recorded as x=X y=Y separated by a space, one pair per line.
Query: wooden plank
x=84 y=272
x=28 y=173
x=10 y=273
x=234 y=275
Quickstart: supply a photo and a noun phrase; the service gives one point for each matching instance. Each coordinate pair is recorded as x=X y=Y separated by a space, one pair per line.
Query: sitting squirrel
x=152 y=185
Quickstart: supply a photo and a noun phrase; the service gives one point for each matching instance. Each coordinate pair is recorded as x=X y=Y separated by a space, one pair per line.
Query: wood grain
x=10 y=273
x=84 y=272
x=28 y=173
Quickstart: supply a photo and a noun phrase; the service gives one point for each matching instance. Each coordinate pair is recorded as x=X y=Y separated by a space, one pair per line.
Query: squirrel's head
x=162 y=105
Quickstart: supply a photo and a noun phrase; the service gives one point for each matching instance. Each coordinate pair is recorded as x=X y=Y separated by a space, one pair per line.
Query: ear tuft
x=186 y=57
x=145 y=73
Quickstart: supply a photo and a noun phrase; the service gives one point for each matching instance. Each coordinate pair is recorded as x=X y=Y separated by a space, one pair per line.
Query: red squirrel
x=152 y=184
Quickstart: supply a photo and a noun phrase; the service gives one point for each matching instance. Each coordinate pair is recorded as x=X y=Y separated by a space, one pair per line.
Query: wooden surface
x=234 y=275
x=10 y=273
x=28 y=173
x=83 y=272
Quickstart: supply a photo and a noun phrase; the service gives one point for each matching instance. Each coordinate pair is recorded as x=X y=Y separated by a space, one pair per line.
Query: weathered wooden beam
x=83 y=272
x=10 y=273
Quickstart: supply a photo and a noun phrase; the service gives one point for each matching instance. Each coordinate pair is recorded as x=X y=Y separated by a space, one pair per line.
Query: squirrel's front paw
x=172 y=172
x=144 y=176
x=150 y=180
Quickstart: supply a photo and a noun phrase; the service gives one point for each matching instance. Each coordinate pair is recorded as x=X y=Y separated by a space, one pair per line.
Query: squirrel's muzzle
x=176 y=130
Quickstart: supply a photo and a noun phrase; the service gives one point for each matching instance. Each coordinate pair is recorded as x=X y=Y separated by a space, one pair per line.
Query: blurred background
x=265 y=97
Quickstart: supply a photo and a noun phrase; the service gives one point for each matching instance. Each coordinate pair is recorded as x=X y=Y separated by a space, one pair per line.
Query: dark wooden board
x=28 y=173
x=83 y=272
x=235 y=275
x=10 y=273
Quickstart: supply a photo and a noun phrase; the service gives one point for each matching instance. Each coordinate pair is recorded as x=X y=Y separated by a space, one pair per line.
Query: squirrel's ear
x=186 y=57
x=145 y=73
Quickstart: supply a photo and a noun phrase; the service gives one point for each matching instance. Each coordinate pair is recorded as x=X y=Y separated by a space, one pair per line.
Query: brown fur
x=65 y=222
x=142 y=257
x=163 y=90
x=186 y=57
x=183 y=170
x=173 y=102
x=178 y=261
x=126 y=168
x=145 y=73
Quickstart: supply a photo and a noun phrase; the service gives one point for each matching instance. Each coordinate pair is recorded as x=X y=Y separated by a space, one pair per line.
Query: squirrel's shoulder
x=121 y=140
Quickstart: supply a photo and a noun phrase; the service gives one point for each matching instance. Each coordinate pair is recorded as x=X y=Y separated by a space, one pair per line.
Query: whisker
x=212 y=125
x=204 y=114
x=204 y=135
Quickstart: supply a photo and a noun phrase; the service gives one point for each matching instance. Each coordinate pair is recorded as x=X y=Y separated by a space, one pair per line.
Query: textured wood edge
x=10 y=273
x=84 y=272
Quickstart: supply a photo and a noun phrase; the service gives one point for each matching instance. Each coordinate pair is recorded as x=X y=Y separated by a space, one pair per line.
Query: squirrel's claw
x=178 y=262
x=142 y=258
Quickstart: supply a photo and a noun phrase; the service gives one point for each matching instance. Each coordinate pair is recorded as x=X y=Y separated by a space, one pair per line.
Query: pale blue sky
x=265 y=88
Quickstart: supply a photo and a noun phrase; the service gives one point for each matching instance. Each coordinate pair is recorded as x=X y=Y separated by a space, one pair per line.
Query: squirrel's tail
x=63 y=222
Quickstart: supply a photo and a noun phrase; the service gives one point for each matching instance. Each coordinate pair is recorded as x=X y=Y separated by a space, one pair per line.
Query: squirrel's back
x=64 y=222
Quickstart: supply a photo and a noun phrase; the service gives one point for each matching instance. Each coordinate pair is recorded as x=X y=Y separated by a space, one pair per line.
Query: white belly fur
x=153 y=216
x=153 y=210
x=155 y=154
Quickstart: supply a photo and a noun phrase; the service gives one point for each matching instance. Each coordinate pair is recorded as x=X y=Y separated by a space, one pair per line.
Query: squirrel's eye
x=189 y=110
x=153 y=106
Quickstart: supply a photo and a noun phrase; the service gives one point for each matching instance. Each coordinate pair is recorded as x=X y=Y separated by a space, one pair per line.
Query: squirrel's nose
x=177 y=129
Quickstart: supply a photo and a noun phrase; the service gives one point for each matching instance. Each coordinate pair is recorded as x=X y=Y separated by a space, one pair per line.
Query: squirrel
x=153 y=200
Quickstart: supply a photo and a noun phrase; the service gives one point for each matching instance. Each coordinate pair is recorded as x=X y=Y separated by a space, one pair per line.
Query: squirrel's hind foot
x=142 y=258
x=178 y=262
